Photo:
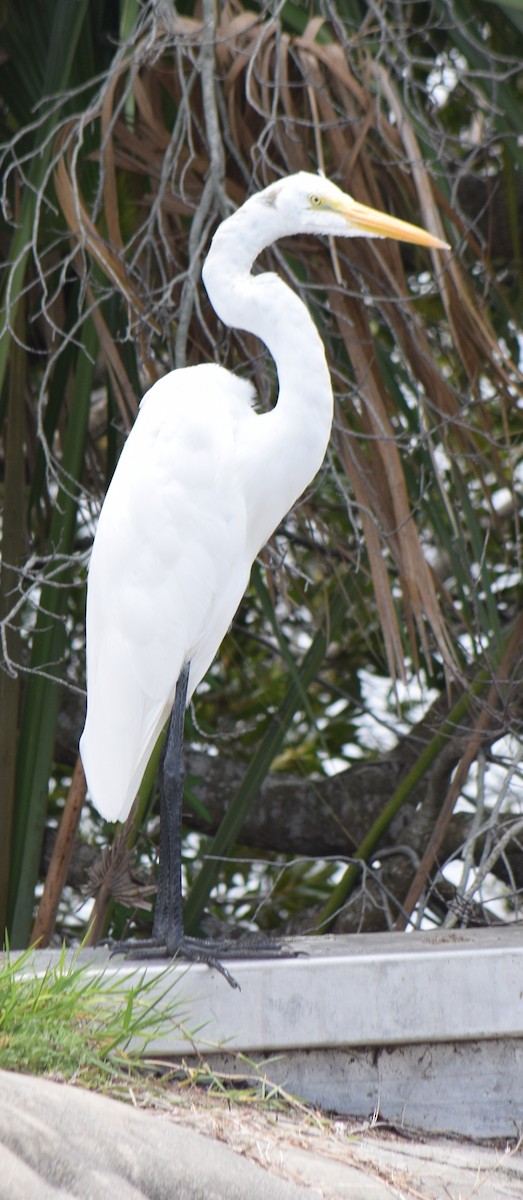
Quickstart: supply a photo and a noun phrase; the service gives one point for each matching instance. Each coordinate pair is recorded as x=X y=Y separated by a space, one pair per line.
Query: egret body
x=202 y=482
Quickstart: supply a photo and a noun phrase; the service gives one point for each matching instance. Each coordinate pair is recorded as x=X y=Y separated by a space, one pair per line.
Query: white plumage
x=202 y=482
x=168 y=569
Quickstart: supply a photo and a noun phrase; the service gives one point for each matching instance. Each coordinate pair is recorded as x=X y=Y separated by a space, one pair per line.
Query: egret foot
x=204 y=950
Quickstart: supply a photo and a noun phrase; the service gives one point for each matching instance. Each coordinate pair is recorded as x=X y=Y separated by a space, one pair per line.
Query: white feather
x=169 y=566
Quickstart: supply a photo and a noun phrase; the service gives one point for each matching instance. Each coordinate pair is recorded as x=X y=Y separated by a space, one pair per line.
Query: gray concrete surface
x=59 y=1142
x=426 y=1029
x=364 y=990
x=469 y=1089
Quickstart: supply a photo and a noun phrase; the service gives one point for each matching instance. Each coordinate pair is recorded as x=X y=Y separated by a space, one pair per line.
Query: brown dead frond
x=113 y=872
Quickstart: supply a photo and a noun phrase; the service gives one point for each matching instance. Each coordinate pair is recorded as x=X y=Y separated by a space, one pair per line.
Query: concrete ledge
x=451 y=1003
x=368 y=990
x=470 y=1089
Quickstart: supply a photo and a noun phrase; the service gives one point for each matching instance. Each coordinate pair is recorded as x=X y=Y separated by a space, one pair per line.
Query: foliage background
x=394 y=590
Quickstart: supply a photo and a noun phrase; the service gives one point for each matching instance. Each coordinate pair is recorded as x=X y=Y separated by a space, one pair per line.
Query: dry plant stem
x=43 y=927
x=429 y=858
x=489 y=864
x=213 y=194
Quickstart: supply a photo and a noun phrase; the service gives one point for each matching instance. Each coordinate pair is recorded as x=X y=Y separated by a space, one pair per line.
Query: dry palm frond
x=112 y=872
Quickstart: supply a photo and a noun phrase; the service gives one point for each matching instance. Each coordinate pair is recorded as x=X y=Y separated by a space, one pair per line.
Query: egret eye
x=315 y=201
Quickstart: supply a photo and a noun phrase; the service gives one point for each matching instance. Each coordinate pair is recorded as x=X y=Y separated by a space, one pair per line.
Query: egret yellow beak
x=367 y=221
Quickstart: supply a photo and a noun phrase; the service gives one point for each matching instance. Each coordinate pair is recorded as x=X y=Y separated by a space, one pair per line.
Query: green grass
x=93 y=1030
x=84 y=1028
x=75 y=1025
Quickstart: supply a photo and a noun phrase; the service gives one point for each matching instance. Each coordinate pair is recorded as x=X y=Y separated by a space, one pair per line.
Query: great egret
x=201 y=484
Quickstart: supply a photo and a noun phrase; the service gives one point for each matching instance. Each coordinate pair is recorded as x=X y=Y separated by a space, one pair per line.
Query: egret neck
x=263 y=305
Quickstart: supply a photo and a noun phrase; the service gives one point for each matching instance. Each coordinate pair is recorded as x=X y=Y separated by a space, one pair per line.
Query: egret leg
x=168 y=913
x=168 y=937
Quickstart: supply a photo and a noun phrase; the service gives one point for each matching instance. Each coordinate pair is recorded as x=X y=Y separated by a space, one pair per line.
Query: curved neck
x=301 y=421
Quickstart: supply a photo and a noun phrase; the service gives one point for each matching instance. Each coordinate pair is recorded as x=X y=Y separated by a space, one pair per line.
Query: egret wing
x=169 y=565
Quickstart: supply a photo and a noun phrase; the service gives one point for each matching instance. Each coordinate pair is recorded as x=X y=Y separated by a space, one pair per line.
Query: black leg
x=168 y=916
x=168 y=937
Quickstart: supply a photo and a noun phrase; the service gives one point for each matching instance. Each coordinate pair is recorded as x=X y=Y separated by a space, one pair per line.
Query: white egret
x=201 y=484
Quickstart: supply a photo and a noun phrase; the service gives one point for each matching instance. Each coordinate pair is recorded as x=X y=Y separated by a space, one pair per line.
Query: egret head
x=306 y=203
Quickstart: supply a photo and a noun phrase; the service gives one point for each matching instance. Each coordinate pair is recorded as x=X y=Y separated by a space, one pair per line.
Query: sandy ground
x=179 y=1141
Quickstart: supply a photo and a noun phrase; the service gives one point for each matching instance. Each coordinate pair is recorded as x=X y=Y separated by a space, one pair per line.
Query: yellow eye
x=315 y=201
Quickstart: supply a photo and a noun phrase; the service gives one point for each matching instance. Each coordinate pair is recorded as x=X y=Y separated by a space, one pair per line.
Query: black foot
x=209 y=951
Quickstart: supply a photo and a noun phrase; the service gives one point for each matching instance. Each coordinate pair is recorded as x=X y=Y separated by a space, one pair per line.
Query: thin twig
x=476 y=739
x=213 y=198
